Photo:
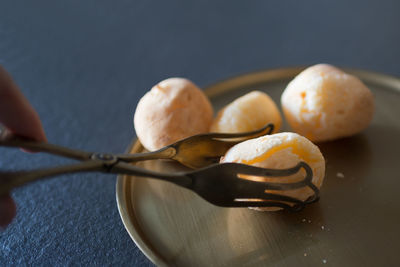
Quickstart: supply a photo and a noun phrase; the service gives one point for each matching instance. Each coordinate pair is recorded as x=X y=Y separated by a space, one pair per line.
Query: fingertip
x=40 y=136
x=36 y=131
x=7 y=210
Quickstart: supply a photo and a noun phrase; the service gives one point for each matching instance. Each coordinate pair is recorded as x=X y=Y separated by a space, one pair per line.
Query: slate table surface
x=85 y=64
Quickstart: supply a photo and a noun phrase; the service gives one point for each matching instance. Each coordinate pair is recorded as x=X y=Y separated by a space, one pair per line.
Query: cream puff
x=324 y=103
x=172 y=110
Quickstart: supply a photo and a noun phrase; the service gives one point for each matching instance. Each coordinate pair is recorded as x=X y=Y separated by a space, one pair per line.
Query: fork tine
x=269 y=126
x=284 y=186
x=263 y=197
x=258 y=171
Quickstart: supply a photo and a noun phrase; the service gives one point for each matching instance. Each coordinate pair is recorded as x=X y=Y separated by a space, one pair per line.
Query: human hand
x=21 y=119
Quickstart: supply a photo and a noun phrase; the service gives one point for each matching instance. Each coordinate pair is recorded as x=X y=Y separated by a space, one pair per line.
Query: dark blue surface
x=85 y=64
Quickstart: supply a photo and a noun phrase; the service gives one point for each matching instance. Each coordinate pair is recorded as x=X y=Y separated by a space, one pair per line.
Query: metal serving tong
x=200 y=150
x=226 y=185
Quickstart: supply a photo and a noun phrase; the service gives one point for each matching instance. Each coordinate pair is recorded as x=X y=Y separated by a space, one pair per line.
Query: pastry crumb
x=340 y=175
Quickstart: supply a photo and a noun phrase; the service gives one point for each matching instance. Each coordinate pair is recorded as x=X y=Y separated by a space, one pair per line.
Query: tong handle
x=7 y=139
x=167 y=152
x=11 y=180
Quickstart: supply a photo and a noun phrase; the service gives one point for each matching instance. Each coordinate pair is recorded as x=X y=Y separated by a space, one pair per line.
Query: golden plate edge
x=223 y=86
x=127 y=215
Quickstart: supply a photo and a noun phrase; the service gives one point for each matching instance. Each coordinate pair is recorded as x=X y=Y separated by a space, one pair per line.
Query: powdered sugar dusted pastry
x=281 y=151
x=247 y=113
x=172 y=110
x=324 y=103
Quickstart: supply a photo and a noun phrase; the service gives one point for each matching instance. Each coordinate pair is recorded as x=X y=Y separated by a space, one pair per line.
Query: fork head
x=205 y=149
x=224 y=185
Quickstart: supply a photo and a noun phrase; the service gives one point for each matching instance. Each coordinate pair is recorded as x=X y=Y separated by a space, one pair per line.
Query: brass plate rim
x=125 y=208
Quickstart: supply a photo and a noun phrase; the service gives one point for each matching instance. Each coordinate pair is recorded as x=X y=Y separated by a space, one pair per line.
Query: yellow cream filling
x=296 y=149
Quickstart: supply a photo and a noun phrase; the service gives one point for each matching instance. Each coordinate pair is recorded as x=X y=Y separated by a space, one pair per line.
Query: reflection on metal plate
x=355 y=223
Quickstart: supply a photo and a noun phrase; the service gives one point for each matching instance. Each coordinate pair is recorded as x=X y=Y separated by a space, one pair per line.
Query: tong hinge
x=108 y=160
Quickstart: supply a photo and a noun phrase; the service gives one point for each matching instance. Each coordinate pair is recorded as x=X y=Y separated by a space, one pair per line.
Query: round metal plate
x=355 y=223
